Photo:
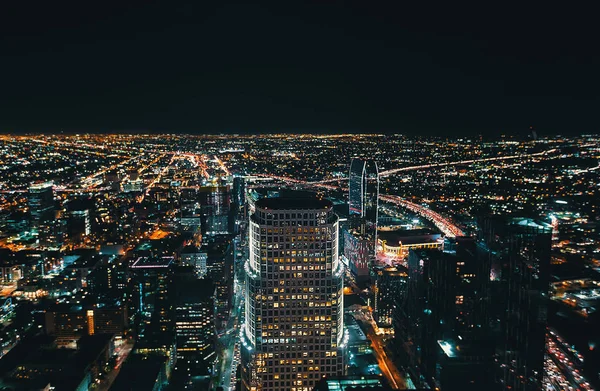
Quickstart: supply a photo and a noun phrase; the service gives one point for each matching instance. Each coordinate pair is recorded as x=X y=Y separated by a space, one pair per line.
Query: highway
x=386 y=173
x=565 y=365
x=443 y=224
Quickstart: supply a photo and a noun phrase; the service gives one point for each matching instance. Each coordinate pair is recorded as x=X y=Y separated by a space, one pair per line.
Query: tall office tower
x=519 y=250
x=41 y=209
x=356 y=187
x=358 y=250
x=363 y=190
x=390 y=285
x=371 y=196
x=194 y=323
x=427 y=309
x=80 y=224
x=152 y=308
x=216 y=210
x=472 y=291
x=363 y=204
x=466 y=345
x=294 y=327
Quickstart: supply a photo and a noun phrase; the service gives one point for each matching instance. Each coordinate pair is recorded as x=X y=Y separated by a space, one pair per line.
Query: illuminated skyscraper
x=356 y=187
x=371 y=196
x=41 y=204
x=363 y=204
x=364 y=190
x=293 y=332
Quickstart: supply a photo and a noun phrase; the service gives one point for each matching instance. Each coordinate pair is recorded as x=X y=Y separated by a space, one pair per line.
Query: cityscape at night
x=198 y=262
x=299 y=196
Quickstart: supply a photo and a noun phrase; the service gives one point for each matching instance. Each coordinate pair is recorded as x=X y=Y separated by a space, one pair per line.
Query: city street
x=122 y=350
x=386 y=365
x=228 y=341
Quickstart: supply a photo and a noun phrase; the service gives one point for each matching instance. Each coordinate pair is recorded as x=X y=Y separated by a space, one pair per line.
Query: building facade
x=390 y=286
x=519 y=251
x=293 y=333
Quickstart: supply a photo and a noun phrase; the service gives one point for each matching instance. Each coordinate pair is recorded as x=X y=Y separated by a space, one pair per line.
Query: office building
x=293 y=333
x=518 y=250
x=217 y=217
x=80 y=224
x=192 y=256
x=425 y=312
x=41 y=204
x=194 y=323
x=42 y=213
x=151 y=279
x=359 y=253
x=390 y=286
x=364 y=191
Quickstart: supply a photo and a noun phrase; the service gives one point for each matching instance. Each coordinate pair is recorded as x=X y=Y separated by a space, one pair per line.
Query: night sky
x=322 y=66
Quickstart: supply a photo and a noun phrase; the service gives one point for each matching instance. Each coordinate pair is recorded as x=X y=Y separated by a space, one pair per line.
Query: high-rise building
x=294 y=329
x=466 y=347
x=519 y=250
x=42 y=211
x=371 y=196
x=152 y=310
x=216 y=210
x=80 y=223
x=363 y=201
x=356 y=187
x=427 y=309
x=41 y=204
x=194 y=323
x=364 y=190
x=390 y=285
x=359 y=253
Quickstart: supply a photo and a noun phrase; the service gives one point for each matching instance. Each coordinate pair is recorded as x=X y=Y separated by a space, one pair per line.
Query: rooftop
x=151 y=263
x=284 y=203
x=411 y=236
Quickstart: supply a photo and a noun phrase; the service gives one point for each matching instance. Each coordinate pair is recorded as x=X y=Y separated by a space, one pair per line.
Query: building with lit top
x=42 y=212
x=293 y=333
x=363 y=196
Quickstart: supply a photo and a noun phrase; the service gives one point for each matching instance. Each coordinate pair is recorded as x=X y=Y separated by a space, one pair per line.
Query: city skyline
x=299 y=196
x=463 y=263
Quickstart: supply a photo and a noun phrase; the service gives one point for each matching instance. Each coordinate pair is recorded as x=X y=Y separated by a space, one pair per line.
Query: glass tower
x=356 y=186
x=519 y=250
x=41 y=204
x=293 y=331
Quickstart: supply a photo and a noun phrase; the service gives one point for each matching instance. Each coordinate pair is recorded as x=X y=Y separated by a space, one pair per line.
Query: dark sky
x=319 y=66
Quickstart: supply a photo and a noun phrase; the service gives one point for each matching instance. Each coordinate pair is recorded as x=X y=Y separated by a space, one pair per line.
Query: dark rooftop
x=408 y=236
x=293 y=203
x=139 y=373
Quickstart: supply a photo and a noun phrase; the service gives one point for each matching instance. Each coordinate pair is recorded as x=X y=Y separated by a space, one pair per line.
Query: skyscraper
x=356 y=187
x=293 y=332
x=519 y=251
x=390 y=285
x=363 y=204
x=41 y=209
x=428 y=308
x=364 y=190
x=371 y=196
